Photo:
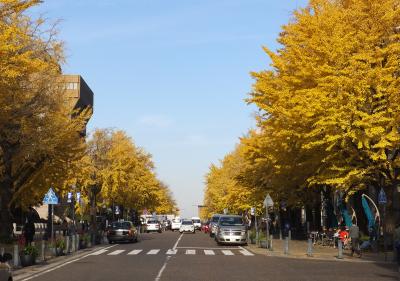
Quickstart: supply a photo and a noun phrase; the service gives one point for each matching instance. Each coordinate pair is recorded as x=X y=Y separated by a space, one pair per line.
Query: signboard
x=69 y=197
x=117 y=210
x=78 y=197
x=382 y=197
x=225 y=211
x=50 y=198
x=268 y=201
x=252 y=211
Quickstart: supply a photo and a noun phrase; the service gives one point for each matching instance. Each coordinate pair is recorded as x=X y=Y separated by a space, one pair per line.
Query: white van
x=196 y=222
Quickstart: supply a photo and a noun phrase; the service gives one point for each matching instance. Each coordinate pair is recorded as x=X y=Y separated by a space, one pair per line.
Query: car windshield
x=226 y=221
x=215 y=219
x=152 y=221
x=121 y=225
x=176 y=220
x=196 y=221
x=187 y=222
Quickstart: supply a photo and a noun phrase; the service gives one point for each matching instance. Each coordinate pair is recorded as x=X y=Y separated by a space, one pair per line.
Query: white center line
x=190 y=252
x=116 y=252
x=209 y=252
x=167 y=259
x=227 y=252
x=153 y=252
x=135 y=252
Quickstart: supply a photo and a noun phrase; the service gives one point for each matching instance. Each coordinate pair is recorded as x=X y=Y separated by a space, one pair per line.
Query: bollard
x=286 y=246
x=16 y=256
x=290 y=235
x=280 y=234
x=43 y=248
x=73 y=244
x=270 y=245
x=310 y=248
x=66 y=244
x=76 y=242
x=2 y=251
x=340 y=249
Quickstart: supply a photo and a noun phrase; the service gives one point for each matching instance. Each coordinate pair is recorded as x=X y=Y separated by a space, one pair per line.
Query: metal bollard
x=66 y=244
x=286 y=246
x=270 y=244
x=72 y=243
x=2 y=251
x=43 y=248
x=77 y=242
x=310 y=248
x=340 y=249
x=280 y=234
x=290 y=235
x=16 y=256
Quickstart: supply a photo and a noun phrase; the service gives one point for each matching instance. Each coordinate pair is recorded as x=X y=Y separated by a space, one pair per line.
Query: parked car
x=187 y=226
x=176 y=224
x=153 y=225
x=196 y=222
x=213 y=224
x=120 y=231
x=231 y=230
x=5 y=268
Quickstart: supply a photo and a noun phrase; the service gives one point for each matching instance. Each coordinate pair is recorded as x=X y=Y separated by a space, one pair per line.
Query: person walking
x=354 y=233
x=29 y=232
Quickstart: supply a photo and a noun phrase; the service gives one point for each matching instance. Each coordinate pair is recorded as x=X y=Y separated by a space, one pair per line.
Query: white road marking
x=246 y=250
x=98 y=252
x=246 y=253
x=171 y=252
x=209 y=252
x=190 y=252
x=61 y=265
x=135 y=252
x=116 y=252
x=211 y=248
x=167 y=259
x=227 y=253
x=153 y=252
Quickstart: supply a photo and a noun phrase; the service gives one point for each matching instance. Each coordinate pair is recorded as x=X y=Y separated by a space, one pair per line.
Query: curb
x=314 y=258
x=31 y=271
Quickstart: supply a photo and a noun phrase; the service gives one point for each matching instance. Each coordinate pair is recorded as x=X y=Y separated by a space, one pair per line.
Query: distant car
x=153 y=225
x=187 y=226
x=231 y=230
x=213 y=224
x=5 y=268
x=176 y=224
x=120 y=231
x=196 y=222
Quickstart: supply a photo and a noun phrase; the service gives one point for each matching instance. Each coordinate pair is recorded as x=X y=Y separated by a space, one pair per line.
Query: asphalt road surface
x=170 y=256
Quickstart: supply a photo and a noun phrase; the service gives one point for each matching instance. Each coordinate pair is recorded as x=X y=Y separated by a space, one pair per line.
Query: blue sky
x=173 y=74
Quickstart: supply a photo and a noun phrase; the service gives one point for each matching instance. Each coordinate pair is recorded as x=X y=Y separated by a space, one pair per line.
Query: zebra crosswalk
x=189 y=252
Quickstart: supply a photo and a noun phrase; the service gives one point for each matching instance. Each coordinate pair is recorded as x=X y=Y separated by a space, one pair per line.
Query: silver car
x=213 y=224
x=120 y=231
x=231 y=230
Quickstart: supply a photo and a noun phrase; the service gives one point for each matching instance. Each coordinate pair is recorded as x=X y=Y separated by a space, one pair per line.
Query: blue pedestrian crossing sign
x=382 y=197
x=50 y=198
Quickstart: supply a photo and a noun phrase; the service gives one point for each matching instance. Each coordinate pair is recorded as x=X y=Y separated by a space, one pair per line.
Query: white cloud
x=155 y=121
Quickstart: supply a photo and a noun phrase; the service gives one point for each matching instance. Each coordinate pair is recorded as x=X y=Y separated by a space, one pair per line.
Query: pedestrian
x=354 y=233
x=64 y=227
x=396 y=240
x=29 y=232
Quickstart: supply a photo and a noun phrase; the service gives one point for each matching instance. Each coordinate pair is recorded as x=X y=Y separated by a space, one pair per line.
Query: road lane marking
x=246 y=250
x=98 y=252
x=171 y=252
x=135 y=252
x=227 y=253
x=116 y=252
x=153 y=252
x=211 y=248
x=246 y=253
x=209 y=252
x=190 y=252
x=59 y=266
x=158 y=277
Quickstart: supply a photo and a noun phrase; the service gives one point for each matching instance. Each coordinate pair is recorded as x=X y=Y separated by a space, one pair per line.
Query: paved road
x=171 y=256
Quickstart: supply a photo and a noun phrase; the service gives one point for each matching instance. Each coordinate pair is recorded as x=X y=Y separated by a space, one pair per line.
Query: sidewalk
x=25 y=272
x=298 y=249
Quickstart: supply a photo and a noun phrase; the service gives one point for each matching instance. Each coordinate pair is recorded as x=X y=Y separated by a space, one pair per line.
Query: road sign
x=382 y=197
x=268 y=201
x=69 y=197
x=252 y=211
x=50 y=198
x=78 y=197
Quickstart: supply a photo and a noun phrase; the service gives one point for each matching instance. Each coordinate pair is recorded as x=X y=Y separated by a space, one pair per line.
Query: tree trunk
x=6 y=193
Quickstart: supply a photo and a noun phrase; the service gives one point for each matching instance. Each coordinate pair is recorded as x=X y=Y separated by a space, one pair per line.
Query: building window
x=71 y=86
